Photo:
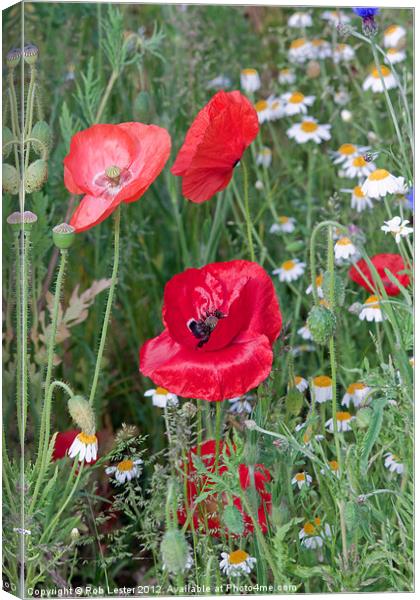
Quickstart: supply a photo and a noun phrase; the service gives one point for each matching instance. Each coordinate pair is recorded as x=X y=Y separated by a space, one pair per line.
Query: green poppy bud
x=41 y=131
x=10 y=179
x=63 y=236
x=339 y=288
x=82 y=414
x=321 y=322
x=175 y=552
x=36 y=175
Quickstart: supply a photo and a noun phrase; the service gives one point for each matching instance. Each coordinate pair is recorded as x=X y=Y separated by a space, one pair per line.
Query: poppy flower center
x=113 y=173
x=125 y=465
x=203 y=328
x=237 y=557
x=309 y=126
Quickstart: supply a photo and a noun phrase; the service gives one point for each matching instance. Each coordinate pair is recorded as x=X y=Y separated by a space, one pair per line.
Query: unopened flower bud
x=82 y=414
x=36 y=175
x=259 y=185
x=30 y=54
x=13 y=57
x=41 y=131
x=175 y=552
x=313 y=69
x=10 y=179
x=339 y=288
x=63 y=236
x=74 y=534
x=321 y=322
x=346 y=116
x=22 y=220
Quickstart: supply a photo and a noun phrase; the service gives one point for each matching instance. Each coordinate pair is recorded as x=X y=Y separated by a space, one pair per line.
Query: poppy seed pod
x=175 y=552
x=82 y=414
x=22 y=220
x=36 y=175
x=233 y=520
x=41 y=131
x=10 y=178
x=321 y=322
x=13 y=57
x=7 y=137
x=63 y=236
x=30 y=54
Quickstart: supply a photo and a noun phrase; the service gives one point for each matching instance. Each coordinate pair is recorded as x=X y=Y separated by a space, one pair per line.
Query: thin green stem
x=108 y=90
x=247 y=211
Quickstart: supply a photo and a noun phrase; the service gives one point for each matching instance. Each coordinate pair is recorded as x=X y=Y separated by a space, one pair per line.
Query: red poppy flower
x=220 y=324
x=111 y=164
x=214 y=145
x=206 y=513
x=393 y=262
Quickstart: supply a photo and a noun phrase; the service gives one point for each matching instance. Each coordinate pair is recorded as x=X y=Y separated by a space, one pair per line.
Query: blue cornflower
x=410 y=198
x=366 y=13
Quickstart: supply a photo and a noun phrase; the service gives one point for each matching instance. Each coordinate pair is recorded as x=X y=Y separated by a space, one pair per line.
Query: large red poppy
x=220 y=324
x=395 y=265
x=111 y=164
x=214 y=145
x=206 y=514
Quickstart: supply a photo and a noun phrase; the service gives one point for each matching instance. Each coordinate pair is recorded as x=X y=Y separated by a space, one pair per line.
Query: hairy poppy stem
x=108 y=304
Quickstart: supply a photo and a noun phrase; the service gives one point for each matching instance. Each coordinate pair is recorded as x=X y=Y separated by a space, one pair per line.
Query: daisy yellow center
x=288 y=265
x=261 y=105
x=343 y=415
x=266 y=152
x=309 y=529
x=317 y=42
x=307 y=436
x=341 y=47
x=162 y=391
x=319 y=280
x=372 y=301
x=249 y=72
x=237 y=557
x=359 y=161
x=298 y=379
x=322 y=381
x=384 y=71
x=356 y=386
x=391 y=29
x=378 y=175
x=283 y=220
x=125 y=465
x=300 y=476
x=317 y=521
x=345 y=241
x=275 y=104
x=392 y=51
x=333 y=465
x=296 y=98
x=347 y=149
x=86 y=439
x=324 y=302
x=284 y=71
x=358 y=192
x=309 y=126
x=298 y=43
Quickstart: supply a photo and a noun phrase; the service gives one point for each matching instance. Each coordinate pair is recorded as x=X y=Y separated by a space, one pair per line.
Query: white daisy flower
x=296 y=103
x=313 y=535
x=344 y=418
x=359 y=200
x=263 y=110
x=398 y=228
x=322 y=388
x=332 y=468
x=305 y=333
x=335 y=17
x=264 y=157
x=126 y=470
x=85 y=447
x=318 y=282
x=344 y=249
x=380 y=183
x=343 y=52
x=240 y=405
x=284 y=225
x=250 y=80
x=290 y=270
x=392 y=462
x=286 y=76
x=299 y=51
x=356 y=393
x=347 y=152
x=395 y=56
x=276 y=108
x=402 y=187
x=161 y=397
x=301 y=383
x=358 y=167
x=371 y=310
x=301 y=479
x=393 y=35
x=341 y=97
x=374 y=82
x=221 y=82
x=236 y=563
x=300 y=20
x=320 y=49
x=309 y=130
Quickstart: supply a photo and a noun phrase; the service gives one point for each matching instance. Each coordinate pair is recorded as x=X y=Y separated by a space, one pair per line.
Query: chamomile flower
x=356 y=393
x=250 y=80
x=313 y=535
x=264 y=157
x=300 y=20
x=296 y=103
x=126 y=470
x=358 y=167
x=301 y=383
x=290 y=270
x=380 y=183
x=359 y=200
x=374 y=80
x=341 y=97
x=240 y=405
x=344 y=249
x=309 y=130
x=307 y=436
x=236 y=563
x=393 y=35
x=301 y=479
x=320 y=49
x=276 y=108
x=85 y=447
x=371 y=311
x=161 y=397
x=395 y=56
x=286 y=76
x=398 y=228
x=299 y=51
x=344 y=418
x=335 y=17
x=392 y=462
x=305 y=333
x=284 y=225
x=263 y=110
x=322 y=388
x=343 y=52
x=346 y=152
x=318 y=282
x=332 y=468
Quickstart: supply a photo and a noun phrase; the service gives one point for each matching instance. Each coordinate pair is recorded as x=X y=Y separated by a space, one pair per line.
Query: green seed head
x=30 y=54
x=63 y=236
x=13 y=57
x=22 y=220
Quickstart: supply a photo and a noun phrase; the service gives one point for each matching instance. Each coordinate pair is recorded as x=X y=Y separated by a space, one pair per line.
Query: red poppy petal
x=63 y=441
x=70 y=184
x=393 y=262
x=212 y=376
x=91 y=211
x=199 y=185
x=193 y=138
